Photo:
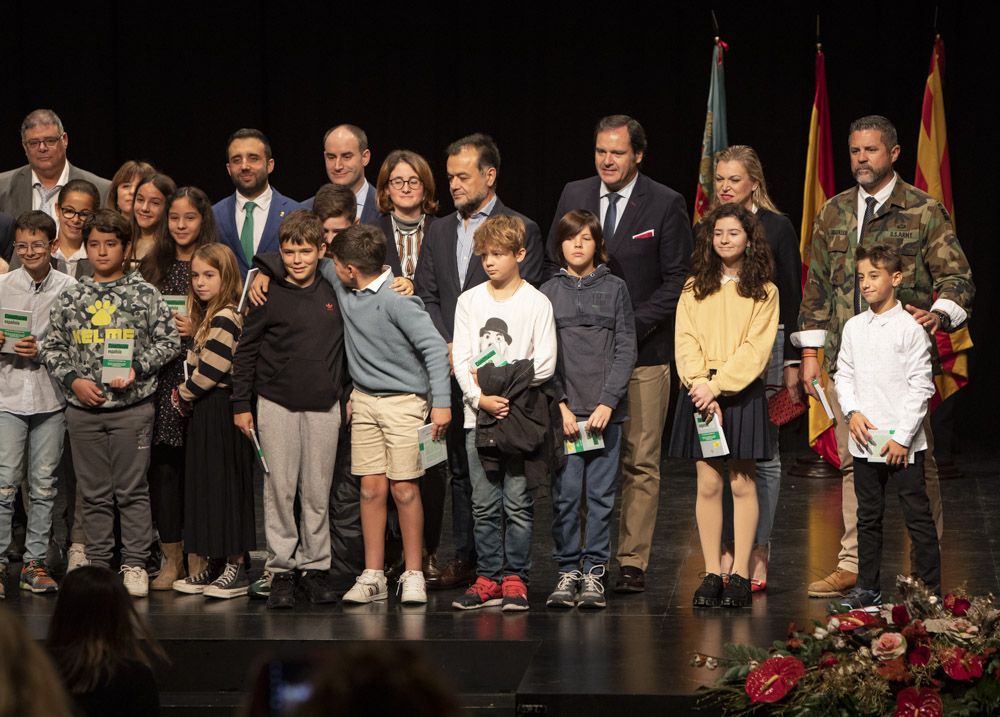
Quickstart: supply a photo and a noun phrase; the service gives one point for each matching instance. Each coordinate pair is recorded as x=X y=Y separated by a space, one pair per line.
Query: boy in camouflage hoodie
x=110 y=426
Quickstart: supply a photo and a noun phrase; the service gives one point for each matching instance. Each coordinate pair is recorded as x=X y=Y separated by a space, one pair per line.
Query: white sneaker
x=369 y=587
x=412 y=588
x=76 y=556
x=136 y=580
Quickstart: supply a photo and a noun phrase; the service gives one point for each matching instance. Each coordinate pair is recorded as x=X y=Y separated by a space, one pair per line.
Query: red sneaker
x=483 y=593
x=515 y=593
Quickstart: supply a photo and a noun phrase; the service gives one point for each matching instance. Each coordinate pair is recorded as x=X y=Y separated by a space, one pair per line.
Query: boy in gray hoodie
x=110 y=425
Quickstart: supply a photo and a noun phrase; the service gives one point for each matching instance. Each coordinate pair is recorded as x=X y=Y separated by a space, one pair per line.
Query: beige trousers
x=642 y=438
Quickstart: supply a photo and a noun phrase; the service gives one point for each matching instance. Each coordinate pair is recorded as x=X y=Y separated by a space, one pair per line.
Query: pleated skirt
x=744 y=423
x=218 y=489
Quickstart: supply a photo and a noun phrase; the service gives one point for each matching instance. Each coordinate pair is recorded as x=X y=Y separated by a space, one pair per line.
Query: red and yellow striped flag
x=819 y=187
x=934 y=177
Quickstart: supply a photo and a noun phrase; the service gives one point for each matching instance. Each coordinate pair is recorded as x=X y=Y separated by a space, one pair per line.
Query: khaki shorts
x=384 y=434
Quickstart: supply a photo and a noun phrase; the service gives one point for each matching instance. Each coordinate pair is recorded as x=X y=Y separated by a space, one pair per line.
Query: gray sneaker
x=565 y=594
x=592 y=590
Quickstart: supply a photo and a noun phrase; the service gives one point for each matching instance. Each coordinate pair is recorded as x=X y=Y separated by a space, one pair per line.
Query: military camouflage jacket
x=90 y=312
x=912 y=223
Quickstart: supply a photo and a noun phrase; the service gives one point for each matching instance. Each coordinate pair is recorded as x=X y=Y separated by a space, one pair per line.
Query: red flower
x=826 y=660
x=959 y=664
x=774 y=678
x=912 y=702
x=956 y=605
x=919 y=655
x=900 y=616
x=915 y=632
x=793 y=644
x=855 y=619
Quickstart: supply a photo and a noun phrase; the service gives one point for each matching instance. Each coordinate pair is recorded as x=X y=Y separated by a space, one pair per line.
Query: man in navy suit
x=647 y=235
x=346 y=154
x=248 y=220
x=446 y=268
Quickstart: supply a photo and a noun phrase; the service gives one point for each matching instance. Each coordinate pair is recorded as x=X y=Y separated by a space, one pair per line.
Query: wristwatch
x=944 y=321
x=847 y=416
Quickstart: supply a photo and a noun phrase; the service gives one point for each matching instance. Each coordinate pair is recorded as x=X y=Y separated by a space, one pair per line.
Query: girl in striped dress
x=218 y=499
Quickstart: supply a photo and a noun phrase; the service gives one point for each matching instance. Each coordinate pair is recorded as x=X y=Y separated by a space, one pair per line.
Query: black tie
x=611 y=217
x=869 y=213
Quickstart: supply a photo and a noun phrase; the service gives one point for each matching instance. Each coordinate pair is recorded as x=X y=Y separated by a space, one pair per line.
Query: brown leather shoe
x=456 y=574
x=432 y=571
x=833 y=585
x=630 y=580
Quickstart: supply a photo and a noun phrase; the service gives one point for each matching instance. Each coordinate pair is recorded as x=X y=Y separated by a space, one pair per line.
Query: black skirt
x=744 y=423
x=218 y=492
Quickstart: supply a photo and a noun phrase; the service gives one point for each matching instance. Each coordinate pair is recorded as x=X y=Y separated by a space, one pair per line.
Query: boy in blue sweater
x=396 y=358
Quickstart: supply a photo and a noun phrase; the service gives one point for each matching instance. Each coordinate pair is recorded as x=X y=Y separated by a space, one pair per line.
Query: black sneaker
x=316 y=586
x=282 y=591
x=858 y=599
x=709 y=593
x=737 y=592
x=196 y=584
x=232 y=583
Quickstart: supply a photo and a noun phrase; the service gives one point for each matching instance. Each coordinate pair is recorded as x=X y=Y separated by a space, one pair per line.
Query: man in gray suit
x=36 y=185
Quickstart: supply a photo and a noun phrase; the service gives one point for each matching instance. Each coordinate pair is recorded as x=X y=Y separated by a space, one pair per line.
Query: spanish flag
x=934 y=177
x=819 y=187
x=716 y=137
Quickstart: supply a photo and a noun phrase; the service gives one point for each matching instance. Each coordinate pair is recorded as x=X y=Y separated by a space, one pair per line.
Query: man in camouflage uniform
x=881 y=209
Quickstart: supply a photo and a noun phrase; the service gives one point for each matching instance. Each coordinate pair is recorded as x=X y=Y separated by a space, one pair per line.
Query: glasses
x=70 y=213
x=399 y=183
x=49 y=142
x=35 y=247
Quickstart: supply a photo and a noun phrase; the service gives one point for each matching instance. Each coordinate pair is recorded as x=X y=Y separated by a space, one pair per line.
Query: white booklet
x=585 y=440
x=117 y=361
x=431 y=452
x=246 y=289
x=259 y=450
x=710 y=436
x=16 y=325
x=177 y=302
x=879 y=439
x=822 y=398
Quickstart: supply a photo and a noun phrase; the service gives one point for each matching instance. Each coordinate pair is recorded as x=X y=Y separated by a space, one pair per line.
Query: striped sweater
x=210 y=366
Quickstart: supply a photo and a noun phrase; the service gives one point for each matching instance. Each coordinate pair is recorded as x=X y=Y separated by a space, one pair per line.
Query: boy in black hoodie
x=291 y=355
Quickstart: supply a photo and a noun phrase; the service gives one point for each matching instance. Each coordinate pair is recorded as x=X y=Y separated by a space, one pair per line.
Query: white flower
x=819 y=633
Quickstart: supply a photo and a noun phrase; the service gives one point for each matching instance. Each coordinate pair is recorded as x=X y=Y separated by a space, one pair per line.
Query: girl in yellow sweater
x=727 y=319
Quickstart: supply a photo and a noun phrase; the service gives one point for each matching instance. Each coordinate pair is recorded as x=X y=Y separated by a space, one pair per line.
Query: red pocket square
x=648 y=234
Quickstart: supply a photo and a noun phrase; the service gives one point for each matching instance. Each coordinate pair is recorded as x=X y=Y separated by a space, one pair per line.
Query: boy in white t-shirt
x=509 y=316
x=884 y=382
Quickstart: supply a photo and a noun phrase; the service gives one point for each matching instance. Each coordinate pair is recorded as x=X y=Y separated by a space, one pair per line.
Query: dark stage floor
x=632 y=656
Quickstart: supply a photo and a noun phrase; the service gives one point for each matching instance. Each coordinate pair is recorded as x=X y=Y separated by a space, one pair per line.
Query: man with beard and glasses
x=447 y=267
x=880 y=209
x=248 y=220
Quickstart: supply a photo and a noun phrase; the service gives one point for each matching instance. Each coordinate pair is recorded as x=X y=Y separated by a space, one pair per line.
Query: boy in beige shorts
x=398 y=363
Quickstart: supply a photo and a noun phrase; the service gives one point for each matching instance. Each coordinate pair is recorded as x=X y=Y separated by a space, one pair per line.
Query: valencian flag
x=716 y=138
x=819 y=187
x=934 y=177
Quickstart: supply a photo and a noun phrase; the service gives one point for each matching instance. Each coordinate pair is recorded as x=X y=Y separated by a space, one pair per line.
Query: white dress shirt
x=49 y=207
x=884 y=371
x=361 y=197
x=263 y=205
x=26 y=388
x=624 y=193
x=881 y=196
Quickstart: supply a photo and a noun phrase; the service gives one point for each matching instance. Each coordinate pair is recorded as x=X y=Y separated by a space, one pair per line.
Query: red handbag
x=782 y=408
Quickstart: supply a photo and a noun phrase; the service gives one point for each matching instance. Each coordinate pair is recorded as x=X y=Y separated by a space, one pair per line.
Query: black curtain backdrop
x=169 y=82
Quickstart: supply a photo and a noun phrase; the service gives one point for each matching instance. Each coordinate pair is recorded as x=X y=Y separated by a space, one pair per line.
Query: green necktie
x=246 y=233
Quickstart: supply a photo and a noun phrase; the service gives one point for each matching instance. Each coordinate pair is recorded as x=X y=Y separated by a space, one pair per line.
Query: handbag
x=781 y=408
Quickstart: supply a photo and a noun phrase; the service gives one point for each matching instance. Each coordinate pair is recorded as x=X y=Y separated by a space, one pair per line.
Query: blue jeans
x=592 y=477
x=496 y=497
x=768 y=472
x=41 y=437
x=461 y=485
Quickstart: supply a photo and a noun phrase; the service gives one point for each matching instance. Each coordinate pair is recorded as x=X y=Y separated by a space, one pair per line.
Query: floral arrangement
x=921 y=657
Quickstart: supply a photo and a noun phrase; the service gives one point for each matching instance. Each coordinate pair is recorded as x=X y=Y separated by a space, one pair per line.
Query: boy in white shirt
x=32 y=422
x=509 y=316
x=883 y=382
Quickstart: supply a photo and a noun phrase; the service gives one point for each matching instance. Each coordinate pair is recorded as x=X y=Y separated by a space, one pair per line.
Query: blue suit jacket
x=225 y=220
x=369 y=212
